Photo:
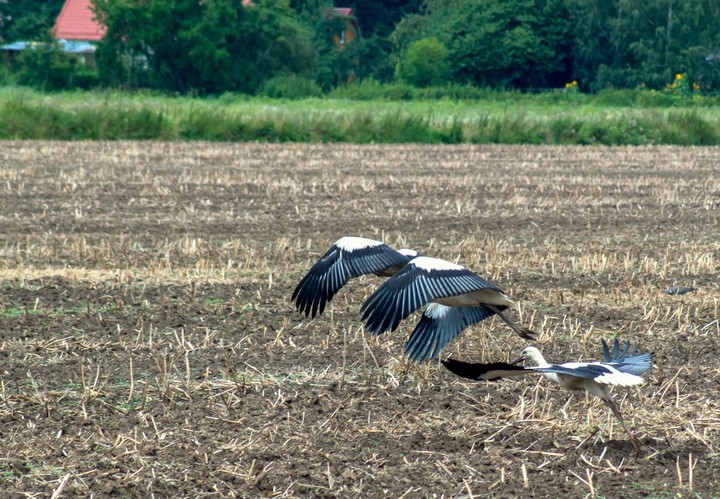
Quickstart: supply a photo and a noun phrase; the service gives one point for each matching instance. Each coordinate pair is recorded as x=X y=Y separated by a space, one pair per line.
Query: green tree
x=27 y=19
x=425 y=63
x=379 y=17
x=363 y=57
x=515 y=43
x=497 y=43
x=209 y=47
x=626 y=43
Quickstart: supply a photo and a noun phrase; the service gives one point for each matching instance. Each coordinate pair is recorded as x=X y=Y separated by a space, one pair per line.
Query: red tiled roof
x=77 y=22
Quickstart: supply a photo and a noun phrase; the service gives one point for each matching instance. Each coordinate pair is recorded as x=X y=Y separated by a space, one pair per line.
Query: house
x=351 y=31
x=75 y=31
x=77 y=22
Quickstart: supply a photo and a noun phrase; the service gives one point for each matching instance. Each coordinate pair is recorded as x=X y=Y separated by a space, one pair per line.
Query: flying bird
x=621 y=367
x=351 y=257
x=347 y=258
x=459 y=295
x=678 y=290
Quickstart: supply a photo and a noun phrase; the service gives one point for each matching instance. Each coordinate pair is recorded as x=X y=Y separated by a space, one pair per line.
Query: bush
x=290 y=87
x=6 y=77
x=689 y=128
x=27 y=118
x=455 y=91
x=425 y=63
x=370 y=89
x=46 y=67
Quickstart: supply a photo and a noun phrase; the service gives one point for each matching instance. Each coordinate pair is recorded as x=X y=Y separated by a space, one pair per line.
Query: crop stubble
x=148 y=345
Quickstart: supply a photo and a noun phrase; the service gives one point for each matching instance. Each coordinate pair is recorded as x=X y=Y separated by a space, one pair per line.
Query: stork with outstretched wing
x=622 y=367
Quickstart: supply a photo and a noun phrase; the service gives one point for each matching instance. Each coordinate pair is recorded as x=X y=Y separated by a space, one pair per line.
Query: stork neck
x=537 y=360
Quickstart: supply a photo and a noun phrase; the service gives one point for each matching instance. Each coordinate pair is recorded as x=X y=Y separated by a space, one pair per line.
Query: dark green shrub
x=366 y=89
x=7 y=78
x=425 y=63
x=290 y=87
x=46 y=67
x=689 y=128
x=370 y=89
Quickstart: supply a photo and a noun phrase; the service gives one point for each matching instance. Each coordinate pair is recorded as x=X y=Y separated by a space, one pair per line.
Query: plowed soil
x=149 y=348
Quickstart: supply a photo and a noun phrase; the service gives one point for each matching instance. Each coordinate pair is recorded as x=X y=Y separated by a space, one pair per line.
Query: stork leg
x=616 y=410
x=523 y=332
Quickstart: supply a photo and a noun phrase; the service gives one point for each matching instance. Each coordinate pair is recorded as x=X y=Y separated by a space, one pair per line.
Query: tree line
x=286 y=46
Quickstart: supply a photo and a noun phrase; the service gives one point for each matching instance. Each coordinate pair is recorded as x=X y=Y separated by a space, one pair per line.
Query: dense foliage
x=211 y=46
x=27 y=19
x=296 y=48
x=425 y=64
x=498 y=43
x=630 y=43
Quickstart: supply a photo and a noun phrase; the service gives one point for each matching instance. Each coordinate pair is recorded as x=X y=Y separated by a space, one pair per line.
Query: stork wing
x=618 y=354
x=497 y=370
x=609 y=374
x=635 y=363
x=422 y=280
x=438 y=326
x=349 y=257
x=487 y=372
x=615 y=373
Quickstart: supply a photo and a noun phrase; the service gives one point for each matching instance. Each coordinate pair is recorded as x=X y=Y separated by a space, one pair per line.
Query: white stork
x=595 y=377
x=467 y=298
x=351 y=257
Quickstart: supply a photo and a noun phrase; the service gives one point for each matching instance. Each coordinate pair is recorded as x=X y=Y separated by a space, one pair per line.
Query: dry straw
x=149 y=345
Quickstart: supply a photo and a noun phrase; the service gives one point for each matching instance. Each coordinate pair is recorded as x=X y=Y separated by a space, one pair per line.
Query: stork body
x=424 y=280
x=595 y=377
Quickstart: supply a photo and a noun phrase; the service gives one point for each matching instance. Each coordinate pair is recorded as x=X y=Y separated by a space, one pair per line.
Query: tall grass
x=491 y=117
x=24 y=118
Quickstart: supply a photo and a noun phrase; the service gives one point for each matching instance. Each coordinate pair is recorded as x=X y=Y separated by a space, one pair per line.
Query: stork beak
x=517 y=361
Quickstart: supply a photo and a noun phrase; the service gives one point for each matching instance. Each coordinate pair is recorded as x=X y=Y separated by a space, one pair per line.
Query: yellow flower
x=678 y=76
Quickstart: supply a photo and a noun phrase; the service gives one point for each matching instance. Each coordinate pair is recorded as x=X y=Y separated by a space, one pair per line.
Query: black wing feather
x=438 y=326
x=487 y=372
x=413 y=287
x=336 y=267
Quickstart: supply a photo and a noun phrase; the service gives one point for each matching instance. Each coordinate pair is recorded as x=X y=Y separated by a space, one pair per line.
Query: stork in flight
x=621 y=367
x=347 y=258
x=464 y=294
x=351 y=257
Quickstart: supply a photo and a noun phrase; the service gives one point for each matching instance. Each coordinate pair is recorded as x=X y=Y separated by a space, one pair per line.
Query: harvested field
x=148 y=345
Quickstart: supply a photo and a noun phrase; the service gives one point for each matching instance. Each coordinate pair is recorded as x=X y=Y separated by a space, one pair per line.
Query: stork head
x=530 y=356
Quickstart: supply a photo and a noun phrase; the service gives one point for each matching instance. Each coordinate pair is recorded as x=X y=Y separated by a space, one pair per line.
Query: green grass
x=620 y=118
